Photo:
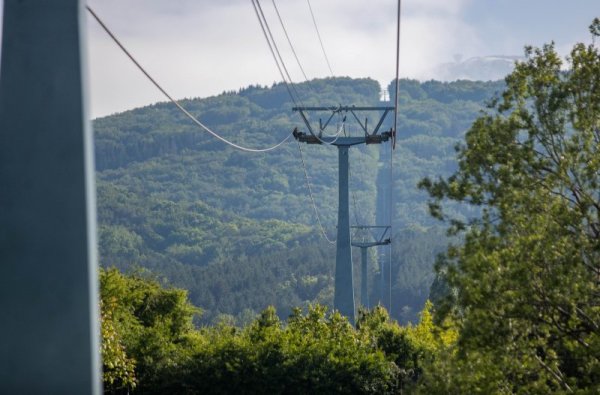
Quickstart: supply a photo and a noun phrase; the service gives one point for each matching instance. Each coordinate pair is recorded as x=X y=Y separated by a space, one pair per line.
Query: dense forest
x=515 y=302
x=151 y=346
x=237 y=229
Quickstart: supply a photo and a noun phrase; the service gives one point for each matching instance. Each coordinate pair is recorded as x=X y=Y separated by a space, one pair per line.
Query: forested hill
x=237 y=229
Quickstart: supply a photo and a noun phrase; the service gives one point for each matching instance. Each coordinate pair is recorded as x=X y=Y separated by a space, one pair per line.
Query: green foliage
x=315 y=352
x=147 y=329
x=526 y=276
x=412 y=347
x=117 y=367
x=414 y=253
x=236 y=229
x=150 y=346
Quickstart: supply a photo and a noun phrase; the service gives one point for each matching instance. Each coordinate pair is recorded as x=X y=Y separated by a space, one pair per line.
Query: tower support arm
x=387 y=110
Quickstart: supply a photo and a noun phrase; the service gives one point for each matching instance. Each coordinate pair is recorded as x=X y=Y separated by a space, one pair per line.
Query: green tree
x=147 y=330
x=528 y=273
x=117 y=367
x=316 y=352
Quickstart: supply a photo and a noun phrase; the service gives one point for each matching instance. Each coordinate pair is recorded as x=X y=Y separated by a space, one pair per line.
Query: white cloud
x=201 y=48
x=198 y=48
x=435 y=7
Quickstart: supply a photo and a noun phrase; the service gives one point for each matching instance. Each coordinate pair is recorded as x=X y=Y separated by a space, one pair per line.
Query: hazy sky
x=199 y=48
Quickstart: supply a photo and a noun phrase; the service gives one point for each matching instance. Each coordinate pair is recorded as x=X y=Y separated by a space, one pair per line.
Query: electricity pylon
x=343 y=300
x=363 y=245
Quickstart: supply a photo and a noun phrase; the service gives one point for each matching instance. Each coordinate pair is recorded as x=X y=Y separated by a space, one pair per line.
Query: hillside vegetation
x=516 y=298
x=237 y=229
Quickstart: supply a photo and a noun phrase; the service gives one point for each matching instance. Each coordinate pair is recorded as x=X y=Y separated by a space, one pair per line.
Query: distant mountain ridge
x=237 y=229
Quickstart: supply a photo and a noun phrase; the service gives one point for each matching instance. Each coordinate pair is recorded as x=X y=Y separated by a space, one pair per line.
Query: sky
x=200 y=48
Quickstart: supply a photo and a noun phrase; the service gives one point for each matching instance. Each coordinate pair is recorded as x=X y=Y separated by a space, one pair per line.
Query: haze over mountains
x=479 y=68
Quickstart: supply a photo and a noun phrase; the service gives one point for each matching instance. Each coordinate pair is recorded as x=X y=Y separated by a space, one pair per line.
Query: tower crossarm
x=380 y=240
x=373 y=137
x=370 y=244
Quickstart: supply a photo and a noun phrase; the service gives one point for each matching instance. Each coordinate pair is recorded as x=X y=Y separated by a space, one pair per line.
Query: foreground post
x=48 y=294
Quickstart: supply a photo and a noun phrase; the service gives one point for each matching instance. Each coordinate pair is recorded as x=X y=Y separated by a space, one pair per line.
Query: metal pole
x=344 y=287
x=364 y=293
x=48 y=285
x=383 y=216
x=382 y=280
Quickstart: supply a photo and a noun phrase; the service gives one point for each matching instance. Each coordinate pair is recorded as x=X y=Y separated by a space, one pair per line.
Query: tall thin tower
x=343 y=300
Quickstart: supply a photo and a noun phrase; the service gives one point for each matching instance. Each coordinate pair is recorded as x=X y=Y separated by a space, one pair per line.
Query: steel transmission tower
x=377 y=241
x=343 y=300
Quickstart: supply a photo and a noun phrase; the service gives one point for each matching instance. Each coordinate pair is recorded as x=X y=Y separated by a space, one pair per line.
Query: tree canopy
x=525 y=284
x=150 y=346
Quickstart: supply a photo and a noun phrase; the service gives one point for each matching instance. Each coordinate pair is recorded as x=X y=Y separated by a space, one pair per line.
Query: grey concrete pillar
x=49 y=335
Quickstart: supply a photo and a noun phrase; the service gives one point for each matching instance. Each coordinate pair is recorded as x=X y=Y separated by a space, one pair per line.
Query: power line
x=196 y=121
x=312 y=199
x=331 y=71
x=267 y=31
x=277 y=57
x=339 y=131
x=336 y=135
x=277 y=60
x=397 y=74
x=289 y=41
x=175 y=102
x=282 y=69
x=319 y=36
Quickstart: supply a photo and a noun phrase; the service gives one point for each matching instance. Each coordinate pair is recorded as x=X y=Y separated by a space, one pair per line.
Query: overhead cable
x=336 y=135
x=285 y=75
x=319 y=36
x=339 y=131
x=283 y=71
x=278 y=59
x=331 y=71
x=397 y=75
x=289 y=41
x=312 y=199
x=175 y=102
x=275 y=51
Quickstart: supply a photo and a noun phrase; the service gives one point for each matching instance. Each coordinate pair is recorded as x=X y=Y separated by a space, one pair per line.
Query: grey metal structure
x=382 y=215
x=381 y=240
x=343 y=300
x=49 y=341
